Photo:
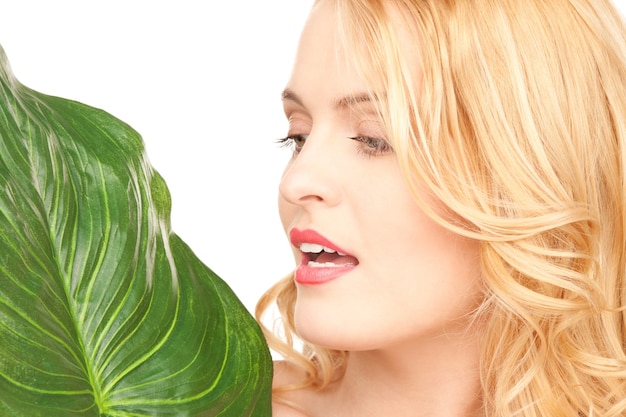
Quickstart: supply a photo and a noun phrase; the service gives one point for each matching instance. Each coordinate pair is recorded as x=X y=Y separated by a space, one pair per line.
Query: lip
x=308 y=275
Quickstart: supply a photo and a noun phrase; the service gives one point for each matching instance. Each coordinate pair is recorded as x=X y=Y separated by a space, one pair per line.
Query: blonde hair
x=519 y=127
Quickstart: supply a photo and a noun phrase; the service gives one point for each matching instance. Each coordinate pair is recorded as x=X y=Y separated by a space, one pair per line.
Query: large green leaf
x=103 y=310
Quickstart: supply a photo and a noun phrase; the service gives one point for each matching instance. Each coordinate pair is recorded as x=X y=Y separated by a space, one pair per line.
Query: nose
x=311 y=177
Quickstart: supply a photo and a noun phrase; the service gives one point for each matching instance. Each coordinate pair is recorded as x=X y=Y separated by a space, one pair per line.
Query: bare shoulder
x=289 y=403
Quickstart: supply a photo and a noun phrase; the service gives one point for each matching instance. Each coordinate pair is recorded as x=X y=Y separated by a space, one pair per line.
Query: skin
x=403 y=312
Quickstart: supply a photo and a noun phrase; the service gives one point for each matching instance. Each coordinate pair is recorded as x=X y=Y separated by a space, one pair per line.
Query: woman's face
x=386 y=273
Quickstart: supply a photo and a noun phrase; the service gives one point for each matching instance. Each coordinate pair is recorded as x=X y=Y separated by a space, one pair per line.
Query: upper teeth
x=315 y=248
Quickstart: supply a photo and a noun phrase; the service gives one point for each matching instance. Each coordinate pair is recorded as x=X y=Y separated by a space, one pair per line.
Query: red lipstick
x=319 y=266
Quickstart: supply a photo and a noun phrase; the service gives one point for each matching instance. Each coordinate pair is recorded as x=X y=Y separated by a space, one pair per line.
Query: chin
x=334 y=335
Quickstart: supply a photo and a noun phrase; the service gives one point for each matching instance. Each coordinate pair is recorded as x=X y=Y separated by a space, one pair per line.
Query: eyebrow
x=343 y=102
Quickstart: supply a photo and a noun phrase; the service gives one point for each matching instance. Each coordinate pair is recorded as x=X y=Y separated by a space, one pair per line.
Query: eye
x=293 y=142
x=371 y=146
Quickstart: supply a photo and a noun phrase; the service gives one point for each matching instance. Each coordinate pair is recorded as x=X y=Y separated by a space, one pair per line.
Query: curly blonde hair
x=519 y=127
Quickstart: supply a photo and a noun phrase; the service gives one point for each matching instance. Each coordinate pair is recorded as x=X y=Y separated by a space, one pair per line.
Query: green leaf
x=103 y=310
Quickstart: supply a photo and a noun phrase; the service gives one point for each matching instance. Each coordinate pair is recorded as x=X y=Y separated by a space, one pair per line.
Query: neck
x=437 y=377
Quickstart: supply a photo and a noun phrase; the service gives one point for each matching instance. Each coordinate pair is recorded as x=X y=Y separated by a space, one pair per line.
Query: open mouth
x=318 y=256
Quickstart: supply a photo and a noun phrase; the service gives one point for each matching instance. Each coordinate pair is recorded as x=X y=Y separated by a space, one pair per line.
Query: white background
x=201 y=82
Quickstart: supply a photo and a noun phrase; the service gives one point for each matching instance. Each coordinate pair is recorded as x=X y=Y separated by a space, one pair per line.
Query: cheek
x=287 y=212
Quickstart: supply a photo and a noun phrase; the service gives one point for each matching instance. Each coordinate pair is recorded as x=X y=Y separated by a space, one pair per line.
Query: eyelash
x=371 y=146
x=291 y=142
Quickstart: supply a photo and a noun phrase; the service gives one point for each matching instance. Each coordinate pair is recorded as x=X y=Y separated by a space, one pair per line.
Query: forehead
x=344 y=60
x=366 y=39
x=321 y=59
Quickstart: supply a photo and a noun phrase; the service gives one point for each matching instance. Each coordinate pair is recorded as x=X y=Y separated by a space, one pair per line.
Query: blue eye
x=372 y=146
x=293 y=142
